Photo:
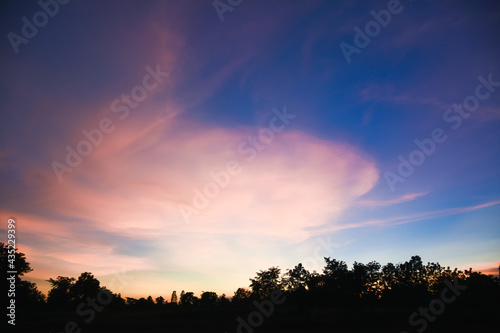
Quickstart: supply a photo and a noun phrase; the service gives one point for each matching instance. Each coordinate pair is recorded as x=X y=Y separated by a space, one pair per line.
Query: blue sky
x=289 y=144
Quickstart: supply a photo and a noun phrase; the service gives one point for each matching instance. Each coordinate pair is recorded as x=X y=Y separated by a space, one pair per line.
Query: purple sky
x=186 y=152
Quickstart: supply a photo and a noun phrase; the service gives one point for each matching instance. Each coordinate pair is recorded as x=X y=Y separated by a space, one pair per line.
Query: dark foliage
x=385 y=296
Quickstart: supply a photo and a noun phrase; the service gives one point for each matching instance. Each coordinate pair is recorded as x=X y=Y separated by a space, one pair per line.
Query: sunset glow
x=154 y=141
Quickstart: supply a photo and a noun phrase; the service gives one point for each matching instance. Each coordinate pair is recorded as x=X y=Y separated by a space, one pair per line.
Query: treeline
x=337 y=285
x=403 y=286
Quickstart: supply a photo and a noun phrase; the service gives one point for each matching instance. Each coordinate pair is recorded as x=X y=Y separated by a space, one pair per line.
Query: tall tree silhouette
x=28 y=296
x=265 y=282
x=173 y=298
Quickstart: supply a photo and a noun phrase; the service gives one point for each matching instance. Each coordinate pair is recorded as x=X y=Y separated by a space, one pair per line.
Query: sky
x=186 y=145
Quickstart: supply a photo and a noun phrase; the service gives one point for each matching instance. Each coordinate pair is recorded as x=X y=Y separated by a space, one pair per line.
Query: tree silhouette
x=223 y=301
x=337 y=281
x=348 y=291
x=60 y=295
x=22 y=266
x=146 y=303
x=188 y=299
x=160 y=300
x=85 y=286
x=28 y=297
x=208 y=298
x=118 y=302
x=365 y=279
x=173 y=298
x=130 y=301
x=27 y=293
x=296 y=278
x=265 y=282
x=241 y=296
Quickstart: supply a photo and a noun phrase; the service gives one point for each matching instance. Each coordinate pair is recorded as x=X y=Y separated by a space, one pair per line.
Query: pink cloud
x=131 y=187
x=158 y=171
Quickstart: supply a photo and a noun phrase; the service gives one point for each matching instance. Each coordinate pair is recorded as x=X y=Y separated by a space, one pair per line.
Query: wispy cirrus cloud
x=387 y=222
x=401 y=199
